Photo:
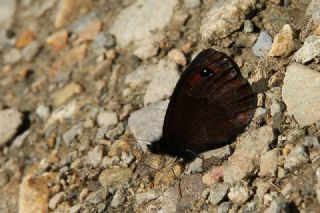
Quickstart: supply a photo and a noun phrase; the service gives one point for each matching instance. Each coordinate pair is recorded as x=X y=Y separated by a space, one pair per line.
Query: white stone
x=301 y=94
x=146 y=123
x=107 y=118
x=313 y=11
x=141 y=19
x=57 y=199
x=7 y=10
x=141 y=75
x=225 y=17
x=246 y=157
x=163 y=82
x=10 y=120
x=309 y=50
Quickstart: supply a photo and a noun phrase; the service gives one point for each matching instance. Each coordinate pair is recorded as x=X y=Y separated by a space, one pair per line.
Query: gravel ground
x=84 y=88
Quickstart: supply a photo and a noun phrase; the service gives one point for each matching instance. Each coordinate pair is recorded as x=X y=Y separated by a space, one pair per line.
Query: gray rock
x=163 y=82
x=127 y=158
x=5 y=42
x=309 y=50
x=57 y=199
x=269 y=163
x=298 y=156
x=287 y=189
x=115 y=176
x=248 y=26
x=166 y=202
x=245 y=159
x=107 y=162
x=148 y=118
x=318 y=125
x=262 y=45
x=12 y=56
x=103 y=40
x=224 y=17
x=145 y=197
x=313 y=11
x=118 y=198
x=43 y=112
x=260 y=114
x=221 y=153
x=7 y=10
x=19 y=140
x=97 y=197
x=191 y=4
x=76 y=208
x=10 y=121
x=140 y=20
x=239 y=194
x=302 y=99
x=278 y=205
x=262 y=188
x=148 y=47
x=114 y=131
x=276 y=108
x=106 y=118
x=191 y=185
x=82 y=23
x=4 y=178
x=95 y=156
x=29 y=52
x=38 y=9
x=295 y=135
x=62 y=113
x=71 y=134
x=218 y=192
x=195 y=166
x=142 y=75
x=224 y=207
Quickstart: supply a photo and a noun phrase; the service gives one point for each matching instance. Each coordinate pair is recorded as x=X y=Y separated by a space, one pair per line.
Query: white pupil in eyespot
x=205 y=72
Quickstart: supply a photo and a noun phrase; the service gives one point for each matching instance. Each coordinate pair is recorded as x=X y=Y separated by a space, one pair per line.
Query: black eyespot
x=205 y=72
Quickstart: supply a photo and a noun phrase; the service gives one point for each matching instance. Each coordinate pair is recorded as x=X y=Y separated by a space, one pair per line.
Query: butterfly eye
x=205 y=72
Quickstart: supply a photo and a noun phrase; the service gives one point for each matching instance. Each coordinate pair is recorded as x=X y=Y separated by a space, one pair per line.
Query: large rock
x=10 y=121
x=225 y=17
x=34 y=195
x=313 y=11
x=140 y=20
x=283 y=43
x=245 y=160
x=163 y=82
x=115 y=176
x=7 y=10
x=146 y=123
x=300 y=93
x=309 y=50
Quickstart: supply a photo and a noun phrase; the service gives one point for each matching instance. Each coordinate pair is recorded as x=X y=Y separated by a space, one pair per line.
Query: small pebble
x=56 y=200
x=107 y=118
x=177 y=56
x=191 y=4
x=239 y=194
x=283 y=44
x=248 y=26
x=262 y=45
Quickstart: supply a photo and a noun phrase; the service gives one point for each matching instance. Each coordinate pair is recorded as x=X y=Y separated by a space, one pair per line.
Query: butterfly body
x=211 y=104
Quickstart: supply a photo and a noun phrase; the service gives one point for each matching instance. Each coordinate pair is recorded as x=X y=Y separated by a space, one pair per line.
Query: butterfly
x=211 y=104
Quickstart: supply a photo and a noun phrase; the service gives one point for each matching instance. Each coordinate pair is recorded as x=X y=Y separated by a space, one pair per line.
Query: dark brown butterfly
x=211 y=104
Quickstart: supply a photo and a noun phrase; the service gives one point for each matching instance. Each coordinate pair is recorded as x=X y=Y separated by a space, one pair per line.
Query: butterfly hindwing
x=211 y=104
